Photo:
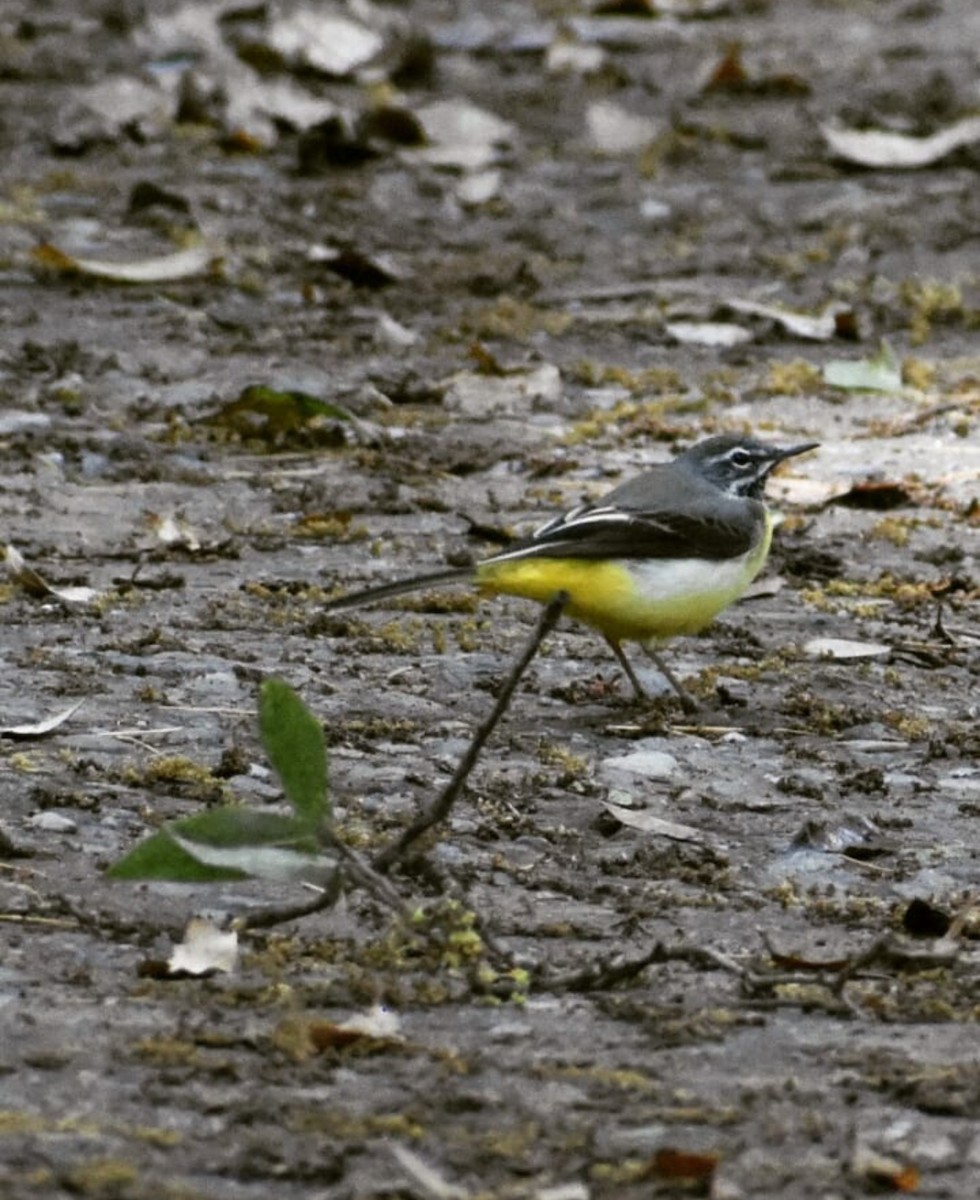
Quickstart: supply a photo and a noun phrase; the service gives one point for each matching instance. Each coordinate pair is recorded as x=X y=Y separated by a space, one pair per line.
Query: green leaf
x=293 y=740
x=230 y=843
x=882 y=373
x=275 y=416
x=237 y=843
x=262 y=845
x=160 y=857
x=233 y=826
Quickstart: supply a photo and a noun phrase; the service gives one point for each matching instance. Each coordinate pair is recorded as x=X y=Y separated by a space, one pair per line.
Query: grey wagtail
x=659 y=556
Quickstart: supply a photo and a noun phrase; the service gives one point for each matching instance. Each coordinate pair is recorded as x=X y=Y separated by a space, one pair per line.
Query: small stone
x=650 y=764
x=52 y=822
x=934 y=1150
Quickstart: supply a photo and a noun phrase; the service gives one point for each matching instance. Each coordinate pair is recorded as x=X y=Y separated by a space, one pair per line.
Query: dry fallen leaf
x=883 y=1171
x=41 y=728
x=371 y=1032
x=427 y=1181
x=36 y=585
x=899 y=151
x=647 y=822
x=730 y=74
x=461 y=135
x=377 y=1029
x=360 y=269
x=331 y=44
x=681 y=1165
x=843 y=649
x=173 y=530
x=614 y=130
x=818 y=327
x=879 y=495
x=206 y=950
x=661 y=8
x=716 y=334
x=167 y=268
x=565 y=56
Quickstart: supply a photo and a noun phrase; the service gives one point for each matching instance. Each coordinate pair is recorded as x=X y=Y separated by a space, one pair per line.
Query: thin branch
x=278 y=914
x=443 y=804
x=600 y=975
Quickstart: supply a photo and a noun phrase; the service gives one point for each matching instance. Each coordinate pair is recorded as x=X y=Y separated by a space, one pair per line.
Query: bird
x=658 y=557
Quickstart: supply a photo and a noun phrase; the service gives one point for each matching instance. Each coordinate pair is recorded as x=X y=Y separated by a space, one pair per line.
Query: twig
x=351 y=865
x=917 y=420
x=264 y=918
x=440 y=809
x=30 y=919
x=361 y=872
x=601 y=975
x=426 y=1180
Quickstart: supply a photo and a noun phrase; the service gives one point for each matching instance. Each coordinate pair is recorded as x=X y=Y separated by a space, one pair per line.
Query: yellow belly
x=631 y=600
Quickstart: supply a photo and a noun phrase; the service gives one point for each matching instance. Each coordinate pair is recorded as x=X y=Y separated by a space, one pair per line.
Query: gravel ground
x=765 y=959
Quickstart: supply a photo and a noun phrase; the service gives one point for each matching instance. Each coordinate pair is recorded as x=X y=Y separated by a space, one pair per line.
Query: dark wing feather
x=715 y=529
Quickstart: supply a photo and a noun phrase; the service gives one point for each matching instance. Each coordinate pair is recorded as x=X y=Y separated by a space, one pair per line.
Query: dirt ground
x=774 y=989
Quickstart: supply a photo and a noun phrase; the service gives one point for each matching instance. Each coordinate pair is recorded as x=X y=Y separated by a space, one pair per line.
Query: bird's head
x=738 y=465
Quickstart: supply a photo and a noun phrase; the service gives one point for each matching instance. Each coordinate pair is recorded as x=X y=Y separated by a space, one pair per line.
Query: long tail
x=399 y=587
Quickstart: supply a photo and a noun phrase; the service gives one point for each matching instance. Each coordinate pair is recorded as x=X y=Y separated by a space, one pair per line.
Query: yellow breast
x=628 y=599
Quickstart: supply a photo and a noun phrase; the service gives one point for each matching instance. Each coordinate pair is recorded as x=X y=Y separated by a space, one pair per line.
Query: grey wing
x=716 y=530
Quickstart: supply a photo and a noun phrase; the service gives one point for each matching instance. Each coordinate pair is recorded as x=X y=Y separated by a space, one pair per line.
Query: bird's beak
x=792 y=451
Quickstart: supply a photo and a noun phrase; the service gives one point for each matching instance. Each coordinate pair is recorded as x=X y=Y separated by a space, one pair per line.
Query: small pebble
x=52 y=822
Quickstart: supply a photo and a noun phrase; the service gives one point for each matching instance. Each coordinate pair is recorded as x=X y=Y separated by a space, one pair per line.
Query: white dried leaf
x=478 y=187
x=563 y=1191
x=646 y=822
x=122 y=100
x=614 y=130
x=451 y=122
x=805 y=492
x=52 y=822
x=426 y=1180
x=166 y=268
x=900 y=151
x=719 y=334
x=332 y=44
x=689 y=8
x=173 y=530
x=205 y=950
x=648 y=764
x=393 y=333
x=38 y=729
x=377 y=1022
x=36 y=585
x=461 y=136
x=567 y=57
x=817 y=327
x=457 y=156
x=843 y=649
x=279 y=99
x=189 y=31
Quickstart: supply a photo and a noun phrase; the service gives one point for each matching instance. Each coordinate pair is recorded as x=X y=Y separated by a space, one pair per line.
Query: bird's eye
x=740 y=458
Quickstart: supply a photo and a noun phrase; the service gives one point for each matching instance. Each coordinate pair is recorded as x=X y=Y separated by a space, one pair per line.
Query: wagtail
x=659 y=556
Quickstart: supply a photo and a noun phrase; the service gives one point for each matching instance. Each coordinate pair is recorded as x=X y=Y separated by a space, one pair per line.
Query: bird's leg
x=624 y=662
x=688 y=703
